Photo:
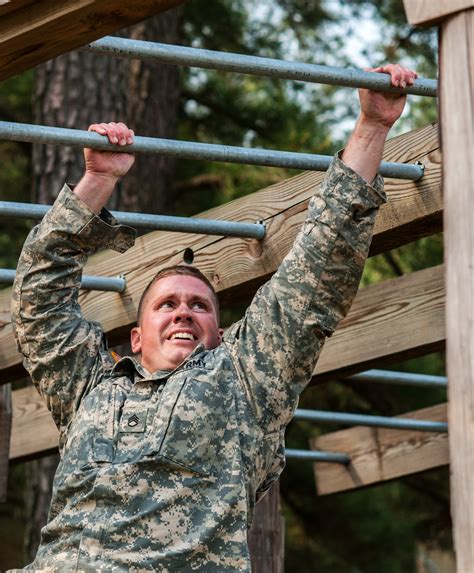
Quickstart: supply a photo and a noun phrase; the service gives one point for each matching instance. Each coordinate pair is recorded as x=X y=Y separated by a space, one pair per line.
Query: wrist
x=97 y=178
x=370 y=128
x=363 y=152
x=94 y=189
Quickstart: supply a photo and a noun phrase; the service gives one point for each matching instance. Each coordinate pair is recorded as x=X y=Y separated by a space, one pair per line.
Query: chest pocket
x=90 y=435
x=191 y=422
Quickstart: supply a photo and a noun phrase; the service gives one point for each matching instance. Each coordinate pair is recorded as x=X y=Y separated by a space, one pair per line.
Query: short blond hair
x=183 y=270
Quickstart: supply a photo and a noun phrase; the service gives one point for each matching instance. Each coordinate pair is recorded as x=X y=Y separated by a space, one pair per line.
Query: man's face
x=179 y=313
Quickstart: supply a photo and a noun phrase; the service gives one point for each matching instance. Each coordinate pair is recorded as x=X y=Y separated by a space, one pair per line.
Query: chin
x=179 y=358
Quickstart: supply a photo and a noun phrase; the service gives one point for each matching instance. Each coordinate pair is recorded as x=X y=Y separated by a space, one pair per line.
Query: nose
x=182 y=314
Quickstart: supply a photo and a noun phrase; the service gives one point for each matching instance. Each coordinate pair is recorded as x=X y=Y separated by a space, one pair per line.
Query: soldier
x=164 y=455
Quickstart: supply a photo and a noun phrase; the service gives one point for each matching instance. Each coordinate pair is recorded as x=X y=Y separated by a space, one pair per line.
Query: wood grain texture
x=380 y=454
x=5 y=432
x=237 y=267
x=399 y=318
x=33 y=32
x=266 y=537
x=457 y=115
x=33 y=429
x=429 y=12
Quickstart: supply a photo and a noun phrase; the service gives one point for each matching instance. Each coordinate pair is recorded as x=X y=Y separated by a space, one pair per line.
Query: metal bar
x=406 y=378
x=328 y=457
x=89 y=282
x=268 y=67
x=149 y=221
x=376 y=421
x=190 y=149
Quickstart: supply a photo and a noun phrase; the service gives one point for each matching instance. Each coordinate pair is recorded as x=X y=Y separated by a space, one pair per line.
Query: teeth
x=185 y=335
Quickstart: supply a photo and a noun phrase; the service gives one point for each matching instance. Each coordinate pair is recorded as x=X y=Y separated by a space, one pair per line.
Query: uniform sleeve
x=276 y=345
x=61 y=350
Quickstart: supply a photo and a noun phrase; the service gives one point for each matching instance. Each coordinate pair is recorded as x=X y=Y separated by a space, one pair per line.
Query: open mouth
x=182 y=336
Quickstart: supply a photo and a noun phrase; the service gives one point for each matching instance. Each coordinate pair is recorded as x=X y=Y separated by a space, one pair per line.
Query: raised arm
x=378 y=112
x=62 y=351
x=276 y=345
x=103 y=169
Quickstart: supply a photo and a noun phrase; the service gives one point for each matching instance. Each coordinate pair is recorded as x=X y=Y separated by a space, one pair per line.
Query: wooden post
x=266 y=536
x=457 y=136
x=457 y=121
x=5 y=430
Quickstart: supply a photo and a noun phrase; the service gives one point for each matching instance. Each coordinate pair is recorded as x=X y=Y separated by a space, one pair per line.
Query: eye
x=199 y=305
x=166 y=305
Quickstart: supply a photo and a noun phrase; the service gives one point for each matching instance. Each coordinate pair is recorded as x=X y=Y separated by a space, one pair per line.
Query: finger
x=123 y=133
x=390 y=69
x=111 y=131
x=406 y=76
x=394 y=71
x=396 y=75
x=412 y=75
x=98 y=128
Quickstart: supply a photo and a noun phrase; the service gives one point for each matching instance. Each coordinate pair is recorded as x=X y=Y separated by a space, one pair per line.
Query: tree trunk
x=73 y=91
x=152 y=105
x=266 y=536
x=39 y=476
x=5 y=433
x=80 y=88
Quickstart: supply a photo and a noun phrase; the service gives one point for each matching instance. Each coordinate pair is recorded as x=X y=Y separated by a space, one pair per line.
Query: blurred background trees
x=373 y=530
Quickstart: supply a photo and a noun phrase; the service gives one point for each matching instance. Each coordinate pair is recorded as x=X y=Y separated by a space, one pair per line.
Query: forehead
x=180 y=286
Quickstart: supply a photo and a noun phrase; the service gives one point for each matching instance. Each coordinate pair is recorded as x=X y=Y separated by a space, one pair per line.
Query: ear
x=136 y=339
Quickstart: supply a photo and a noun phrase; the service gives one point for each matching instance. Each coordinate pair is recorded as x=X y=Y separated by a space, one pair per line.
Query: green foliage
x=15 y=175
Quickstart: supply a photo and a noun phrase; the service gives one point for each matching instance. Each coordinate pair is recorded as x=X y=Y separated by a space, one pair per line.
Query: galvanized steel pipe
x=313 y=456
x=190 y=150
x=149 y=221
x=376 y=421
x=405 y=378
x=268 y=67
x=89 y=282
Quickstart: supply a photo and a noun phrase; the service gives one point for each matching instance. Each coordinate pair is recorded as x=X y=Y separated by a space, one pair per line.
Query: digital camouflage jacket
x=161 y=472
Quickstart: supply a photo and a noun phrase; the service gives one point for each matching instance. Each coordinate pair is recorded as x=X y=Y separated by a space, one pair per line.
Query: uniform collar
x=130 y=366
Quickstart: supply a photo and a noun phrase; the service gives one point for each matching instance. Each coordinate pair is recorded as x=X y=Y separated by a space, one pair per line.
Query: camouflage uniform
x=161 y=472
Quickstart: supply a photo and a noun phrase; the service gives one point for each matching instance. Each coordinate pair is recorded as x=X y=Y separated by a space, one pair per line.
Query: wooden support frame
x=238 y=266
x=33 y=431
x=380 y=454
x=34 y=31
x=5 y=432
x=457 y=120
x=380 y=325
x=429 y=12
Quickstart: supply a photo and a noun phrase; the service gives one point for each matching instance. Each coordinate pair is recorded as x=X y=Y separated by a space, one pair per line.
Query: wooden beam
x=237 y=267
x=380 y=327
x=266 y=537
x=457 y=121
x=5 y=431
x=33 y=32
x=429 y=12
x=380 y=454
x=33 y=430
x=392 y=320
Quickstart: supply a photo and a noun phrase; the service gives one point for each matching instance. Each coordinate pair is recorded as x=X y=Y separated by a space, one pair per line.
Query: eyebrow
x=173 y=294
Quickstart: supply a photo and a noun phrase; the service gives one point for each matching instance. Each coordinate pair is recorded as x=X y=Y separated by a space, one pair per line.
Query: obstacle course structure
x=361 y=455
